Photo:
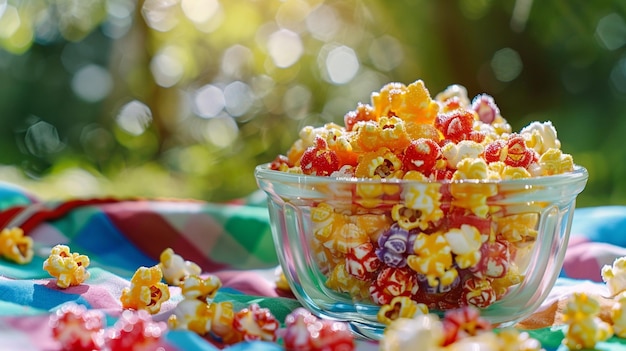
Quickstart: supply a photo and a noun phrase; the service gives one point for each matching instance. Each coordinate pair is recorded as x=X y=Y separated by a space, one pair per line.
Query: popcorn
x=146 y=292
x=618 y=315
x=433 y=258
x=462 y=323
x=435 y=204
x=465 y=243
x=76 y=328
x=584 y=327
x=615 y=276
x=222 y=318
x=362 y=262
x=69 y=268
x=394 y=246
x=465 y=149
x=15 y=246
x=400 y=307
x=256 y=323
x=175 y=269
x=135 y=330
x=392 y=282
x=540 y=137
x=305 y=332
x=424 y=332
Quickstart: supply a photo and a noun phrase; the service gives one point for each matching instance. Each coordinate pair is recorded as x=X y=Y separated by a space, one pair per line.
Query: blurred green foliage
x=182 y=98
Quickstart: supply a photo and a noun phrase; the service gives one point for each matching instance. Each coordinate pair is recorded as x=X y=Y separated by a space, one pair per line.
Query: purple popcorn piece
x=394 y=246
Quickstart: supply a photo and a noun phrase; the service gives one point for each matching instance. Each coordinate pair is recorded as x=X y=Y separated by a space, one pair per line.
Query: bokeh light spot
x=386 y=53
x=134 y=117
x=238 y=98
x=291 y=14
x=506 y=64
x=160 y=15
x=341 y=65
x=323 y=23
x=120 y=18
x=221 y=131
x=237 y=60
x=297 y=101
x=92 y=83
x=209 y=101
x=618 y=75
x=9 y=22
x=611 y=31
x=200 y=11
x=167 y=67
x=42 y=138
x=285 y=48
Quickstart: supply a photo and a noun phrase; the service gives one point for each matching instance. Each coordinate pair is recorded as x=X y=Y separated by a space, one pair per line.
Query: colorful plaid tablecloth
x=232 y=241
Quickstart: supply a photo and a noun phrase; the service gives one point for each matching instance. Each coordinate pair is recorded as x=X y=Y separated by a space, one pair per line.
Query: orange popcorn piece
x=69 y=268
x=400 y=307
x=373 y=224
x=379 y=164
x=146 y=292
x=389 y=132
x=473 y=196
x=433 y=258
x=15 y=246
x=410 y=103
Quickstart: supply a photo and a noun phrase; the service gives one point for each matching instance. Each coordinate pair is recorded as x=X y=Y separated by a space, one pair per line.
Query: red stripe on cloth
x=152 y=233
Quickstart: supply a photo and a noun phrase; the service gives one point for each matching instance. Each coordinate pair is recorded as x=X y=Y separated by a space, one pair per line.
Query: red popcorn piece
x=135 y=331
x=362 y=262
x=362 y=113
x=513 y=152
x=318 y=159
x=456 y=125
x=478 y=292
x=281 y=163
x=463 y=322
x=256 y=323
x=494 y=262
x=392 y=282
x=421 y=155
x=305 y=332
x=77 y=328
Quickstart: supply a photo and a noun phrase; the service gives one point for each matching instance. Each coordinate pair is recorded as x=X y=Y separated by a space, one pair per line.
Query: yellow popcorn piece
x=373 y=224
x=400 y=307
x=512 y=277
x=465 y=243
x=615 y=276
x=471 y=168
x=69 y=268
x=347 y=236
x=146 y=292
x=433 y=258
x=518 y=227
x=342 y=281
x=175 y=268
x=584 y=327
x=500 y=170
x=191 y=314
x=325 y=221
x=424 y=333
x=425 y=199
x=618 y=315
x=554 y=161
x=15 y=246
x=473 y=196
x=222 y=317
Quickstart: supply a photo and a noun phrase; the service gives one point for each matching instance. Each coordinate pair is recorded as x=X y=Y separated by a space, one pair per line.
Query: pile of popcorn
x=434 y=240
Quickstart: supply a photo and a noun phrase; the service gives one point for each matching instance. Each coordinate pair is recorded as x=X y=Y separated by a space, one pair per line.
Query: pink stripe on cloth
x=152 y=233
x=584 y=259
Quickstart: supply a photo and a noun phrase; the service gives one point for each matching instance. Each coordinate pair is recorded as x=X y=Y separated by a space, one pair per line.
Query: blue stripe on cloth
x=36 y=295
x=602 y=224
x=92 y=233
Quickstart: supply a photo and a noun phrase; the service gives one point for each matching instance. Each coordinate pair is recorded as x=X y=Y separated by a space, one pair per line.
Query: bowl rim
x=263 y=171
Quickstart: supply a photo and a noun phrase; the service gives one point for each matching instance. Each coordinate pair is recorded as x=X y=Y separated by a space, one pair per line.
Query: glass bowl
x=348 y=247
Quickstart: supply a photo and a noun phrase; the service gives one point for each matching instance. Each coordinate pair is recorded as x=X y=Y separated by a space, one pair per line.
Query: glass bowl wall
x=348 y=246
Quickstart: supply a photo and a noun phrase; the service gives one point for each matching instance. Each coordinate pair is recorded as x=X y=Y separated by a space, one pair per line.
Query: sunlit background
x=182 y=98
